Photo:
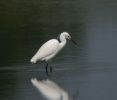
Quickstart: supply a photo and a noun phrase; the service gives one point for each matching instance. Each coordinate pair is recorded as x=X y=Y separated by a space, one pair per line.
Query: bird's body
x=50 y=89
x=49 y=49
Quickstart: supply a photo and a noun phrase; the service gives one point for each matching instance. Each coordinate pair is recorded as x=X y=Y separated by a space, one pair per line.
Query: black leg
x=51 y=69
x=47 y=69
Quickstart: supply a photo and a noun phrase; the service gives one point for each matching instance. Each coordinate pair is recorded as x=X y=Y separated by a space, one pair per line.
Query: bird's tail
x=33 y=60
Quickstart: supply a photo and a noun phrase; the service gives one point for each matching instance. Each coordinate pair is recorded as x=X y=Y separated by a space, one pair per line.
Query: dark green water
x=89 y=69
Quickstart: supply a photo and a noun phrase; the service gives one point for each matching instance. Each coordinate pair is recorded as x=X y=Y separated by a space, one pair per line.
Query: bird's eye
x=68 y=37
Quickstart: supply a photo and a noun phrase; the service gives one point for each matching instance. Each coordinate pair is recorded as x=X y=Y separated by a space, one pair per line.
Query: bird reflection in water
x=50 y=90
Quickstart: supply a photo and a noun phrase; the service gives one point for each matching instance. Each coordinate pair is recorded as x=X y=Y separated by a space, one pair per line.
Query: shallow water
x=82 y=81
x=86 y=72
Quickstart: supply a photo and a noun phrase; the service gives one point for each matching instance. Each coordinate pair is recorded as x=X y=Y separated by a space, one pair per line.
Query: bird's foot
x=49 y=70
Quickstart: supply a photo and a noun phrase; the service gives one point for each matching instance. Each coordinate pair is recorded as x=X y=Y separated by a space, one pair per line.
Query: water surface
x=87 y=72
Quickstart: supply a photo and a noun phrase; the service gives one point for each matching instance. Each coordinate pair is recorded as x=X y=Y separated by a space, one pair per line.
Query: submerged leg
x=47 y=69
x=50 y=69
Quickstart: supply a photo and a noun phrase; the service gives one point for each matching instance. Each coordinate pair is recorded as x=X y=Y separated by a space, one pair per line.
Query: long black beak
x=74 y=42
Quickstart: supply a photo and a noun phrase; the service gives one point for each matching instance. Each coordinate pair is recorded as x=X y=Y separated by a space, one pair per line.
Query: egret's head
x=66 y=35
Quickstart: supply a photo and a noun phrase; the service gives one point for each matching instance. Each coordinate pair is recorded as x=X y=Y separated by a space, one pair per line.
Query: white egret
x=49 y=49
x=50 y=90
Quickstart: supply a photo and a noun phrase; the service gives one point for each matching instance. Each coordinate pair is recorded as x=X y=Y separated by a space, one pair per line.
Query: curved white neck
x=62 y=41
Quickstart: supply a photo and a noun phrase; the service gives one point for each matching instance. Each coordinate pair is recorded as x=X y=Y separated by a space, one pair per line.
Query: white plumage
x=50 y=90
x=49 y=49
x=46 y=51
